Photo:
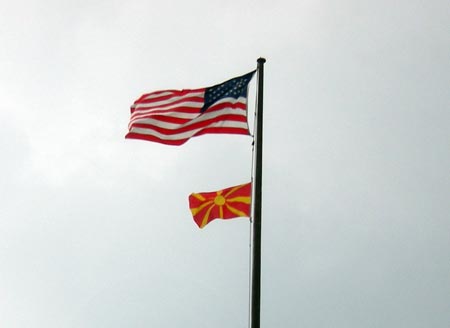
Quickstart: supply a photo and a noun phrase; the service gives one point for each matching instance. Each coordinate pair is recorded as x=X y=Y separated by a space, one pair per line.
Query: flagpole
x=257 y=204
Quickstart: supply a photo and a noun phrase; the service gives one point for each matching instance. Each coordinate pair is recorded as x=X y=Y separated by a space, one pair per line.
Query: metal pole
x=256 y=254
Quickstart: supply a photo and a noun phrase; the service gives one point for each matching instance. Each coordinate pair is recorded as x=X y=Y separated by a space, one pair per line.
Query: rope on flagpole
x=249 y=273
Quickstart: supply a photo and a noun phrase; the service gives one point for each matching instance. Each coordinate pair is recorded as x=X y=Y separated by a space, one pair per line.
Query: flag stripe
x=165 y=97
x=170 y=103
x=166 y=128
x=214 y=112
x=175 y=124
x=175 y=110
x=166 y=94
x=192 y=108
x=215 y=128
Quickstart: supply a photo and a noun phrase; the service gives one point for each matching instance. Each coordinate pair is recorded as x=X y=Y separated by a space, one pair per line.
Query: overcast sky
x=95 y=230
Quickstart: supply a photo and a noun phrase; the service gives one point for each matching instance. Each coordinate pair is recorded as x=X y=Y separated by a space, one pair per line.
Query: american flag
x=172 y=117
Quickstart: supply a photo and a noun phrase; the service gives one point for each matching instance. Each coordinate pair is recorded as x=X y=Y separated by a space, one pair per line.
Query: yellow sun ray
x=240 y=199
x=206 y=217
x=236 y=211
x=233 y=190
x=198 y=196
x=194 y=211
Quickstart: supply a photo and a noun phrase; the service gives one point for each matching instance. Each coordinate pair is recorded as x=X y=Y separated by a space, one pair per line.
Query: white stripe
x=163 y=93
x=148 y=108
x=148 y=118
x=157 y=94
x=167 y=101
x=168 y=114
x=158 y=123
x=216 y=114
x=242 y=100
x=190 y=133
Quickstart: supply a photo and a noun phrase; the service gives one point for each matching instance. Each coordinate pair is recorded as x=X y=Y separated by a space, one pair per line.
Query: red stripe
x=172 y=91
x=188 y=110
x=177 y=142
x=165 y=119
x=158 y=92
x=237 y=105
x=220 y=130
x=177 y=101
x=177 y=93
x=179 y=109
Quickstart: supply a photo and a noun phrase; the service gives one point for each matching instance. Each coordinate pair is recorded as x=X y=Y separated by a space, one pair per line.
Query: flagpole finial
x=261 y=60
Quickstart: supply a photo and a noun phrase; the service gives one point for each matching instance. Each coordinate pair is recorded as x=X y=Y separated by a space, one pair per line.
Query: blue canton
x=233 y=88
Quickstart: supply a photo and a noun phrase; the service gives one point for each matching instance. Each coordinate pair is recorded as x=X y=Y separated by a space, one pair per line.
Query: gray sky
x=95 y=230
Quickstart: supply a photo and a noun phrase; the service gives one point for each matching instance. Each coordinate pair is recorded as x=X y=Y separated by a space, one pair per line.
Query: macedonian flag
x=224 y=204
